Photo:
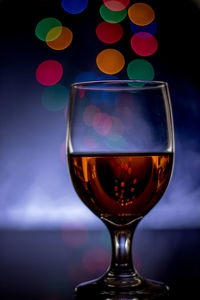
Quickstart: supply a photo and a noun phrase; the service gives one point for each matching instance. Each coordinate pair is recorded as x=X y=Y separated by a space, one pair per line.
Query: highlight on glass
x=120 y=145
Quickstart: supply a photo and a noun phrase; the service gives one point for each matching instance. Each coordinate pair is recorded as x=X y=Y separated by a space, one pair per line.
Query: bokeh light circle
x=75 y=240
x=49 y=72
x=90 y=142
x=141 y=14
x=112 y=16
x=116 y=5
x=102 y=123
x=55 y=97
x=117 y=128
x=89 y=113
x=109 y=33
x=125 y=107
x=95 y=260
x=118 y=142
x=62 y=41
x=144 y=43
x=140 y=69
x=62 y=152
x=151 y=28
x=110 y=61
x=45 y=26
x=86 y=76
x=108 y=77
x=74 y=6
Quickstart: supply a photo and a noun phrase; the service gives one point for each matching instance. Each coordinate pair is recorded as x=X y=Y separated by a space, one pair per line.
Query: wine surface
x=120 y=187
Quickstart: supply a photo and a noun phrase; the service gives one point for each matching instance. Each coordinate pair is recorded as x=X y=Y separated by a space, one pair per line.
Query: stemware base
x=132 y=287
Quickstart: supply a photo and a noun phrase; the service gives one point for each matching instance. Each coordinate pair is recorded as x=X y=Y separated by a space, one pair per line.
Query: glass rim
x=109 y=85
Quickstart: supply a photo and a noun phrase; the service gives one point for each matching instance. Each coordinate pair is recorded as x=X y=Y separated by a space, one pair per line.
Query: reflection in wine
x=120 y=187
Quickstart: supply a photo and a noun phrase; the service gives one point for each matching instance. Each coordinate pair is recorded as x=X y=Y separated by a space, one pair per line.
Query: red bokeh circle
x=49 y=72
x=109 y=32
x=144 y=43
x=116 y=5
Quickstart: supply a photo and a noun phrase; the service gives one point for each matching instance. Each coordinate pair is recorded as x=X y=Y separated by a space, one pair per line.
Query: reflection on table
x=47 y=265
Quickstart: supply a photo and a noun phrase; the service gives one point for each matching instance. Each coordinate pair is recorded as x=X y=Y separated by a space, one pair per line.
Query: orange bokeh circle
x=141 y=14
x=62 y=41
x=110 y=61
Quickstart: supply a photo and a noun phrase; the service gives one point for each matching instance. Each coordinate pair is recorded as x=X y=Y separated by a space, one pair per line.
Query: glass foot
x=135 y=288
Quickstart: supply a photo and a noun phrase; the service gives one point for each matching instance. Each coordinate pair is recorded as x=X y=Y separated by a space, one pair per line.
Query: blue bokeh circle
x=74 y=6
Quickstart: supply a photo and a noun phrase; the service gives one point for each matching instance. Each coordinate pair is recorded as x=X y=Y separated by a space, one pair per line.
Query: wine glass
x=120 y=144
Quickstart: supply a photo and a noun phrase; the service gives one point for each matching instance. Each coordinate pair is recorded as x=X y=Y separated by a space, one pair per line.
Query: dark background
x=37 y=201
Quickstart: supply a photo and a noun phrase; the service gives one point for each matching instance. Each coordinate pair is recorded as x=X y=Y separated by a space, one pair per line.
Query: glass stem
x=121 y=237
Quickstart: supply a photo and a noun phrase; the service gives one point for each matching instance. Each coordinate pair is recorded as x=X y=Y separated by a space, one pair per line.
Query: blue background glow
x=36 y=190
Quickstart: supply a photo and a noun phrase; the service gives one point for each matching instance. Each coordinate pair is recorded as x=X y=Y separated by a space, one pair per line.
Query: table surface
x=47 y=264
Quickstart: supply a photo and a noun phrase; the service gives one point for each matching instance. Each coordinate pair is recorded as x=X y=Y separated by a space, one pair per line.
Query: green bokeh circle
x=55 y=97
x=140 y=69
x=44 y=26
x=111 y=16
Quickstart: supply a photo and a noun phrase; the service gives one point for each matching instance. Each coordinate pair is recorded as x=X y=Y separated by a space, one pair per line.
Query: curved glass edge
x=153 y=85
x=169 y=115
x=119 y=85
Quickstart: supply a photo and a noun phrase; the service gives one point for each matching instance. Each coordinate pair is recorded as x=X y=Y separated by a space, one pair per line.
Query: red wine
x=120 y=187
